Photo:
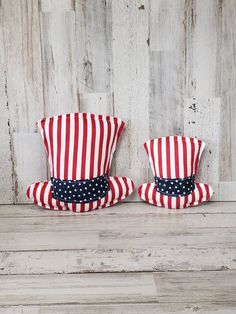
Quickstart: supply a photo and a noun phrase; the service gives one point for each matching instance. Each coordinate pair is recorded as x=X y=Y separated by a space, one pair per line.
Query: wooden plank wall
x=165 y=66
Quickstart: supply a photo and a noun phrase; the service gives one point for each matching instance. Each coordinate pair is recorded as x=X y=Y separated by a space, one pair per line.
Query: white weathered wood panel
x=112 y=57
x=130 y=32
x=20 y=46
x=130 y=237
x=183 y=287
x=122 y=308
x=59 y=60
x=94 y=45
x=227 y=169
x=202 y=119
x=167 y=67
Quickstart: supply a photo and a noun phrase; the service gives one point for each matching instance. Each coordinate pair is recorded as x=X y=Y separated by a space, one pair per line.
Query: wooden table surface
x=129 y=258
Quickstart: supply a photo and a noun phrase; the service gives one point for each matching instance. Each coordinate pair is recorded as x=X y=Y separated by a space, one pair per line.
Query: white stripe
x=172 y=157
x=115 y=139
x=123 y=186
x=88 y=147
x=150 y=195
x=96 y=149
x=130 y=188
x=189 y=155
x=55 y=145
x=46 y=130
x=104 y=145
x=144 y=187
x=196 y=195
x=155 y=146
x=112 y=124
x=181 y=157
x=37 y=194
x=80 y=145
x=63 y=145
x=173 y=202
x=71 y=146
x=150 y=156
x=164 y=162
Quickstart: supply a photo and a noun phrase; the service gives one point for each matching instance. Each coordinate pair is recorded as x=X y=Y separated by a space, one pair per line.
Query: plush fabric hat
x=80 y=147
x=174 y=162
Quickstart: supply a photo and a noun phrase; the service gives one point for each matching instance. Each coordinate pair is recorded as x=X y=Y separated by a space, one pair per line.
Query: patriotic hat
x=174 y=161
x=80 y=147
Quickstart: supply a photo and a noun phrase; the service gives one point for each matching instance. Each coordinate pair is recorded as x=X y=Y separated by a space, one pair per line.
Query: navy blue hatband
x=80 y=191
x=175 y=187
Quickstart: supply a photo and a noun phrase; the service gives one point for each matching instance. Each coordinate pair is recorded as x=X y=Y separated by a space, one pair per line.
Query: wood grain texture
x=59 y=262
x=227 y=169
x=94 y=42
x=122 y=308
x=144 y=61
x=129 y=237
x=200 y=122
x=183 y=287
x=130 y=31
x=23 y=89
x=59 y=61
x=167 y=67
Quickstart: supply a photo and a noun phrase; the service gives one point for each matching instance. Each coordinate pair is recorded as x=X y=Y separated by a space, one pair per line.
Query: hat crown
x=80 y=146
x=174 y=156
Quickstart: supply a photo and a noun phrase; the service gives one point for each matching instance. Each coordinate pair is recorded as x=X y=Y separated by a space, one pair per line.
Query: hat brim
x=202 y=193
x=40 y=194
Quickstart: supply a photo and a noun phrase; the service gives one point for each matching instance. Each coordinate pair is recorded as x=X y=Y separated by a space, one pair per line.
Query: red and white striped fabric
x=80 y=146
x=174 y=157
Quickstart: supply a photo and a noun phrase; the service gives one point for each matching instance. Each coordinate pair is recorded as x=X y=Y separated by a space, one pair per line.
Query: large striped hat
x=174 y=162
x=80 y=147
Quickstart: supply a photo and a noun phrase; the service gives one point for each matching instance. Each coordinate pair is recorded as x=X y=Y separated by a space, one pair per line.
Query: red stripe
x=44 y=138
x=91 y=206
x=112 y=190
x=42 y=192
x=107 y=144
x=169 y=202
x=185 y=157
x=177 y=202
x=154 y=196
x=147 y=191
x=67 y=148
x=76 y=140
x=192 y=154
x=51 y=144
x=152 y=156
x=119 y=187
x=50 y=198
x=200 y=193
x=113 y=140
x=58 y=148
x=176 y=156
x=126 y=186
x=59 y=205
x=85 y=134
x=197 y=158
x=35 y=192
x=162 y=200
x=160 y=157
x=207 y=191
x=168 y=158
x=93 y=134
x=82 y=208
x=100 y=146
x=185 y=201
x=74 y=207
x=120 y=131
x=140 y=190
x=193 y=198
